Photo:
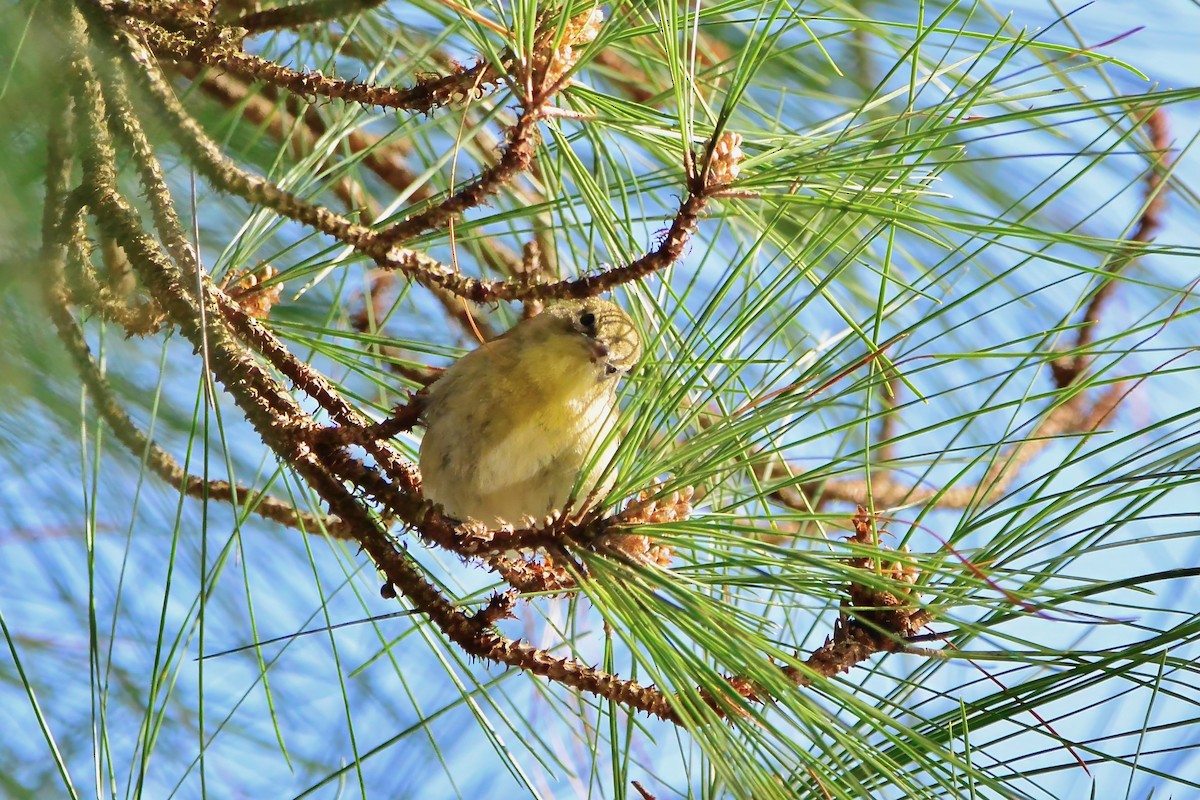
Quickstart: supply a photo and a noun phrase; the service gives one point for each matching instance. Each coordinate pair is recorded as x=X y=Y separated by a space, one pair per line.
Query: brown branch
x=1148 y=223
x=215 y=45
x=259 y=109
x=878 y=615
x=385 y=162
x=1069 y=418
x=262 y=108
x=703 y=184
x=542 y=75
x=137 y=317
x=517 y=158
x=1066 y=370
x=303 y=14
x=531 y=576
x=643 y=791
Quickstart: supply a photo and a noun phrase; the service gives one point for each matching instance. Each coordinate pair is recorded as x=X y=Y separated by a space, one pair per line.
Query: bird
x=525 y=425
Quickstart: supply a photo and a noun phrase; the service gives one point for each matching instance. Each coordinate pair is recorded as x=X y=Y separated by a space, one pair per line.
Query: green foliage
x=931 y=197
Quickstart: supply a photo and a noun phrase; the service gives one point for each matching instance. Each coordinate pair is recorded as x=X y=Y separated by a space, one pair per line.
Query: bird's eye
x=587 y=319
x=609 y=369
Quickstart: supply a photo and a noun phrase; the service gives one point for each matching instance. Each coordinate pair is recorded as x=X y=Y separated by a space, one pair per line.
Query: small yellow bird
x=511 y=426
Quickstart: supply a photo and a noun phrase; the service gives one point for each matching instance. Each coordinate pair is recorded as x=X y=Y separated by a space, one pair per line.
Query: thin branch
x=1067 y=370
x=215 y=45
x=878 y=615
x=1069 y=418
x=541 y=75
x=517 y=158
x=384 y=161
x=300 y=133
x=703 y=185
x=307 y=13
x=136 y=316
